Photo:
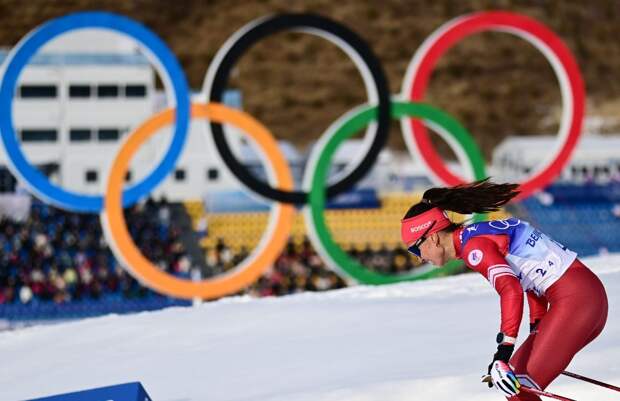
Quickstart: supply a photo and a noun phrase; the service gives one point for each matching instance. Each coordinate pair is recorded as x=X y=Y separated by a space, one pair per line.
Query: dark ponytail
x=477 y=197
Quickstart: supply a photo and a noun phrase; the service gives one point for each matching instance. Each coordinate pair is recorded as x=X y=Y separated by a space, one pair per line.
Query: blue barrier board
x=121 y=392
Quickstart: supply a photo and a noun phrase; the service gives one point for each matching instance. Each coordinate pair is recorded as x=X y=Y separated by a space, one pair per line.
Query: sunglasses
x=415 y=248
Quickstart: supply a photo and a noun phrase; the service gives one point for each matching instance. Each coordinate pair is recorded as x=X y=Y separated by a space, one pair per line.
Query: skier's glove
x=504 y=379
x=504 y=352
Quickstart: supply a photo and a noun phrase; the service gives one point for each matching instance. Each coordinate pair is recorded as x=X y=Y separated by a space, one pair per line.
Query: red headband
x=414 y=227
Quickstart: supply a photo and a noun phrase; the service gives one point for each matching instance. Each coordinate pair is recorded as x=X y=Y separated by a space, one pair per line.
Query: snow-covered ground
x=428 y=340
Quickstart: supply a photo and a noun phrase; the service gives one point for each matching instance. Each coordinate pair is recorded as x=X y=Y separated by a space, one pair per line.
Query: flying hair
x=480 y=196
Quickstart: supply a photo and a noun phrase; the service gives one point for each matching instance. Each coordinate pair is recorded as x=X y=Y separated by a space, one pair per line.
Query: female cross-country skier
x=567 y=302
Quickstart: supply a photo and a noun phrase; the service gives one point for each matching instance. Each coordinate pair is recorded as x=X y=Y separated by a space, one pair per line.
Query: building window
x=79 y=134
x=135 y=91
x=7 y=181
x=39 y=135
x=91 y=176
x=37 y=91
x=212 y=174
x=107 y=91
x=108 y=134
x=179 y=174
x=79 y=91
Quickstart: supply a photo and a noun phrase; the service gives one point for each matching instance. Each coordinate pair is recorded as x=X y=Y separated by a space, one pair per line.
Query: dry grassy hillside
x=297 y=84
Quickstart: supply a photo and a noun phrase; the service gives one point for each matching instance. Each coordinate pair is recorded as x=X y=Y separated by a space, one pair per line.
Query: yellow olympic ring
x=263 y=256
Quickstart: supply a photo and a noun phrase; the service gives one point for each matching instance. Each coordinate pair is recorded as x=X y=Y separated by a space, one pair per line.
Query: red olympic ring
x=552 y=47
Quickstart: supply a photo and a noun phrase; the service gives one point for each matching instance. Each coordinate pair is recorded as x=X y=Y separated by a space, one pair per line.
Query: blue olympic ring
x=19 y=57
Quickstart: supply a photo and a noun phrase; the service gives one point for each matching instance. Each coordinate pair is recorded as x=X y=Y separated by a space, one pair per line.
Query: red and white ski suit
x=572 y=310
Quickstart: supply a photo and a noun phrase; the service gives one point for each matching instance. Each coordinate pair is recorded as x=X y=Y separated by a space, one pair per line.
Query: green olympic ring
x=316 y=178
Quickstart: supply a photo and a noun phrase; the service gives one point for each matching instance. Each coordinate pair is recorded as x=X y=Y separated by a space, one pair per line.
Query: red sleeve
x=538 y=306
x=484 y=256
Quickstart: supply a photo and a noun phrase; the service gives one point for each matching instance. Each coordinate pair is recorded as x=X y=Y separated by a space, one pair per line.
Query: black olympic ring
x=256 y=31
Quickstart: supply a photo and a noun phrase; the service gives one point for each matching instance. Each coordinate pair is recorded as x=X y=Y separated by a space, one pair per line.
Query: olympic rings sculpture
x=380 y=108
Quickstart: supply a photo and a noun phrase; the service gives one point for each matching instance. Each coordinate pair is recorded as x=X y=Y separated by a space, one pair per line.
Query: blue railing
x=49 y=310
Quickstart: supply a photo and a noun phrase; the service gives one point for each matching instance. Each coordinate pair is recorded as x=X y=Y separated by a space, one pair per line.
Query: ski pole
x=587 y=379
x=531 y=390
x=487 y=379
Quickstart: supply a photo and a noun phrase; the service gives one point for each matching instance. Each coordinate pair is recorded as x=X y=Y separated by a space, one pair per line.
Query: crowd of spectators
x=299 y=268
x=386 y=260
x=59 y=256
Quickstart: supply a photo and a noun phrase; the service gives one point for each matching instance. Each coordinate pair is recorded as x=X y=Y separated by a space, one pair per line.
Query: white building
x=596 y=158
x=75 y=102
